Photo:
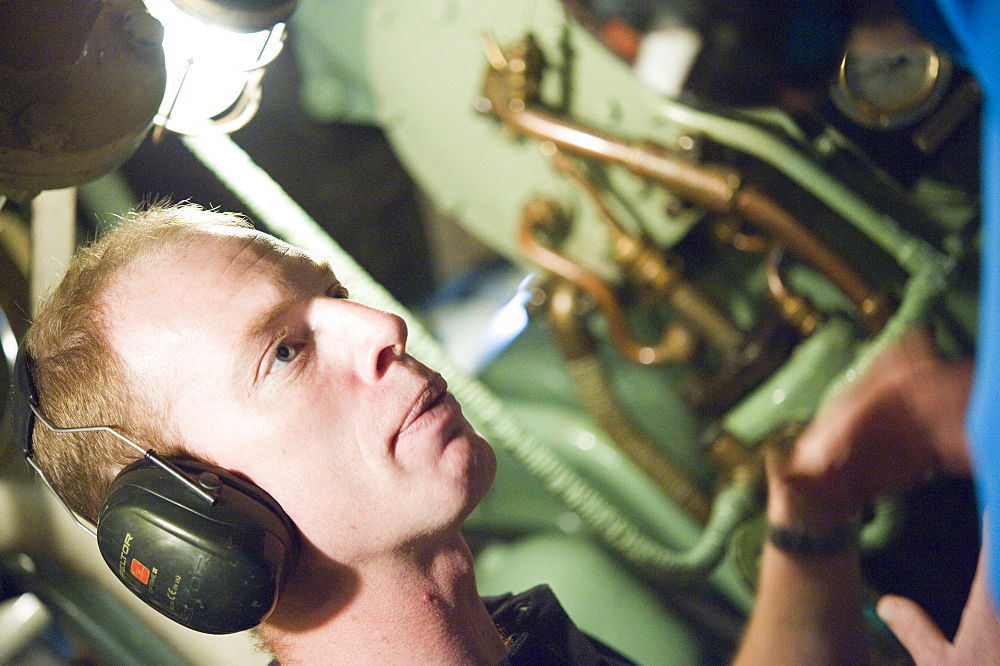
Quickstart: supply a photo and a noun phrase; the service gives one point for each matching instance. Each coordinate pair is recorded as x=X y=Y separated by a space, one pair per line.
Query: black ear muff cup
x=213 y=566
x=216 y=568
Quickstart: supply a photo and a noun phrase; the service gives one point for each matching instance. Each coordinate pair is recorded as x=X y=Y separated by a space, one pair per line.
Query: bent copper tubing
x=717 y=189
x=603 y=406
x=796 y=310
x=675 y=344
x=646 y=265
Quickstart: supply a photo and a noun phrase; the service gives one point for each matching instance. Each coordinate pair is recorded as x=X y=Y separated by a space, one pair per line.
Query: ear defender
x=217 y=568
x=201 y=545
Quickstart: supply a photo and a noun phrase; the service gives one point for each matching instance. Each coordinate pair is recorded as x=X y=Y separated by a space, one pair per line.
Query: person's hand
x=977 y=640
x=900 y=421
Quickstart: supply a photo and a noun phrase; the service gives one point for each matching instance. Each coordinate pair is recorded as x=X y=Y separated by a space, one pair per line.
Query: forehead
x=215 y=283
x=225 y=256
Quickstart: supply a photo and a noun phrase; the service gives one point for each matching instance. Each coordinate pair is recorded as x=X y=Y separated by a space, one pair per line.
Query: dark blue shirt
x=541 y=633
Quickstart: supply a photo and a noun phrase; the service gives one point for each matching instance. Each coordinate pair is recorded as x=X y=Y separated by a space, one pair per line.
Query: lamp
x=82 y=81
x=216 y=53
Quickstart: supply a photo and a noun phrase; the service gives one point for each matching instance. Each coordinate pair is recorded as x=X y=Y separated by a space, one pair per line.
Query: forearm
x=808 y=611
x=808 y=607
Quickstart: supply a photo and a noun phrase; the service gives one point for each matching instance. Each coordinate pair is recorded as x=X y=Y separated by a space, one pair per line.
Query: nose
x=371 y=339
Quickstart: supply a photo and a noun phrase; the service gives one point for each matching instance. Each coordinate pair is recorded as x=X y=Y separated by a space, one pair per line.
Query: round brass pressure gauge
x=893 y=88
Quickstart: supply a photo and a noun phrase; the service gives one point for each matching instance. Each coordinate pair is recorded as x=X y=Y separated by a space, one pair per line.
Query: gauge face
x=893 y=88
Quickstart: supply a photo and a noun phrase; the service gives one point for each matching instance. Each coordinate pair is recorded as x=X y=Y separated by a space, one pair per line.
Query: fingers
x=980 y=625
x=900 y=421
x=914 y=629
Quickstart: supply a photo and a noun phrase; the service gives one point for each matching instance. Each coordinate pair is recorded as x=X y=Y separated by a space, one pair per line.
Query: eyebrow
x=256 y=339
x=268 y=323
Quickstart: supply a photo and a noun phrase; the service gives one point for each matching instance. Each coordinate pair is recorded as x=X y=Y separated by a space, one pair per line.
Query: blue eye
x=284 y=354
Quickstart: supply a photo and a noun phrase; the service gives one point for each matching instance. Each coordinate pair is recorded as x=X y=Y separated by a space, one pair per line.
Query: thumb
x=914 y=629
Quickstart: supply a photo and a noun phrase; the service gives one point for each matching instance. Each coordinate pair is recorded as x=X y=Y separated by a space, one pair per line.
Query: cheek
x=478 y=470
x=322 y=454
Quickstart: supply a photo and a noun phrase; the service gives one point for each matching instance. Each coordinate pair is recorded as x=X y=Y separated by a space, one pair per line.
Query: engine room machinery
x=706 y=260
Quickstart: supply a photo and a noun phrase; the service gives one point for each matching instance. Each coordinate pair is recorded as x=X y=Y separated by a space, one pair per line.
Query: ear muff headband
x=199 y=544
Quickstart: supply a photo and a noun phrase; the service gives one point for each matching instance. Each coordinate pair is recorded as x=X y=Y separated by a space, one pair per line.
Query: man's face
x=266 y=368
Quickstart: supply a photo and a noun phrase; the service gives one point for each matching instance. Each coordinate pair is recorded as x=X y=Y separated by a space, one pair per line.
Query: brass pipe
x=796 y=310
x=874 y=308
x=646 y=265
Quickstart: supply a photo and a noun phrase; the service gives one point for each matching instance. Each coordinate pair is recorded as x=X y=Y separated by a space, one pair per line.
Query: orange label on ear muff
x=139 y=571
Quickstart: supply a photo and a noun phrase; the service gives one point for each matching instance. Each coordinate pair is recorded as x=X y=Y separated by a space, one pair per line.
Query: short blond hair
x=79 y=377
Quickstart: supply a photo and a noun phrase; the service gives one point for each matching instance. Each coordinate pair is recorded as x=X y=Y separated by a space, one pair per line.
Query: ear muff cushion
x=216 y=568
x=22 y=396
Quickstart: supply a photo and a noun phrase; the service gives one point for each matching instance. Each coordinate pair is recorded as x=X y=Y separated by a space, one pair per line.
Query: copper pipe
x=717 y=189
x=675 y=345
x=647 y=266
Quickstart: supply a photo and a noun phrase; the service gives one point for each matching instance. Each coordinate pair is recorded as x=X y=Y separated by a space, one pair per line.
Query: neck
x=417 y=606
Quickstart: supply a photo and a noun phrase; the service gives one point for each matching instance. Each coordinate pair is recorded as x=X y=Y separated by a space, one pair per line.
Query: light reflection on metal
x=8 y=343
x=508 y=322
